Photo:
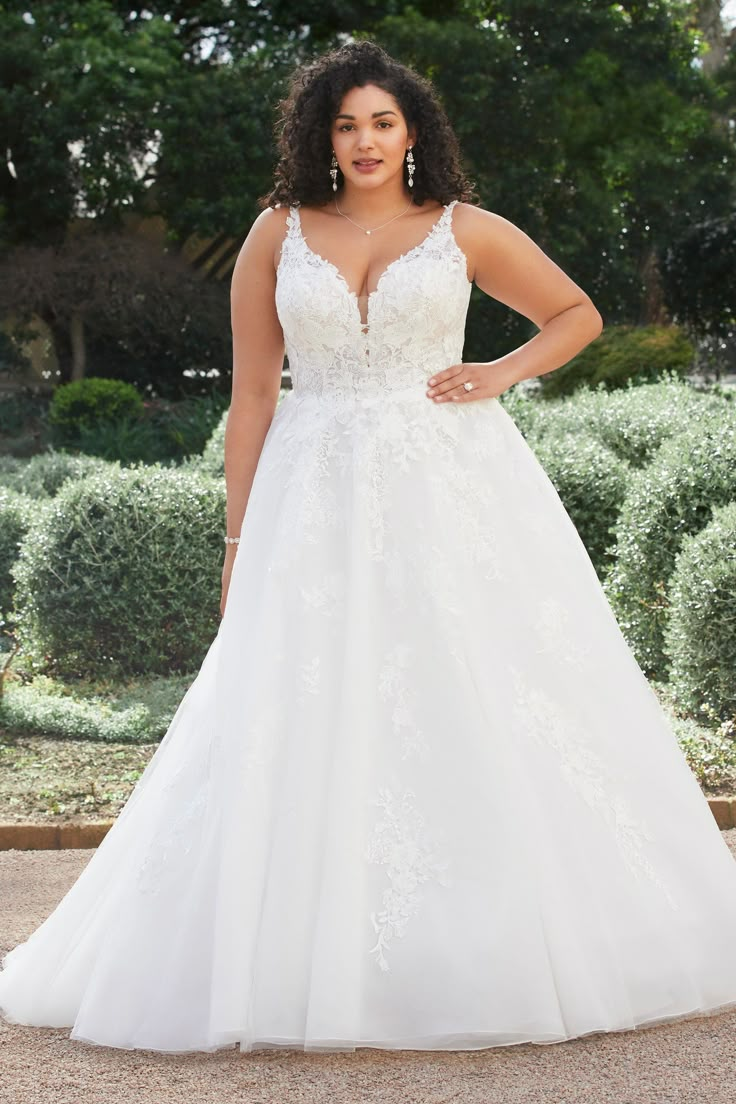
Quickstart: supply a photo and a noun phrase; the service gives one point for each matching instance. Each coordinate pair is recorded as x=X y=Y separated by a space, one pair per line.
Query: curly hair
x=305 y=117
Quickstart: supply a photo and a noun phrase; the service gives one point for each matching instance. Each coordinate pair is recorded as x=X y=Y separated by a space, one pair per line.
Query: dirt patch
x=51 y=781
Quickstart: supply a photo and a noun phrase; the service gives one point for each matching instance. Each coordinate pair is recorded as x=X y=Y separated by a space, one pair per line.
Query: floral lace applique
x=401 y=842
x=539 y=716
x=393 y=687
x=309 y=679
x=165 y=855
x=553 y=628
x=327 y=596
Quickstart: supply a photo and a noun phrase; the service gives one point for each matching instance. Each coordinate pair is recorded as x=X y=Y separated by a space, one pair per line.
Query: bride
x=420 y=795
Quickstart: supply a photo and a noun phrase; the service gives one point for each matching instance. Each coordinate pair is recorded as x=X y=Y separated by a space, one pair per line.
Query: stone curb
x=55 y=837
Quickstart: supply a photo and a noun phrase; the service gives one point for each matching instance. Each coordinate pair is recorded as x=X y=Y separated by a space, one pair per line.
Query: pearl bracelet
x=232 y=540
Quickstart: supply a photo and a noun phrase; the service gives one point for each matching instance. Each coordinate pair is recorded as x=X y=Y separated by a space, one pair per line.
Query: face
x=370 y=137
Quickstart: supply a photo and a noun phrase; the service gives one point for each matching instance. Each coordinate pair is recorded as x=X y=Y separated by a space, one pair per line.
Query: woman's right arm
x=258 y=358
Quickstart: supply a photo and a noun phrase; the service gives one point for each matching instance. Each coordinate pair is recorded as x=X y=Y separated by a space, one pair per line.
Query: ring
x=468 y=385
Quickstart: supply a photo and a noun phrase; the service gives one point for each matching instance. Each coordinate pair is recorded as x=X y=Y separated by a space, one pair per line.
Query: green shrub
x=16 y=512
x=188 y=425
x=592 y=484
x=83 y=404
x=213 y=456
x=25 y=709
x=633 y=421
x=139 y=714
x=700 y=638
x=640 y=354
x=168 y=432
x=711 y=755
x=709 y=747
x=692 y=474
x=525 y=409
x=44 y=474
x=123 y=576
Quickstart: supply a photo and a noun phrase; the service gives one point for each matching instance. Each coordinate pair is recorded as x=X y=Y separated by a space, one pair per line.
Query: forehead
x=366 y=101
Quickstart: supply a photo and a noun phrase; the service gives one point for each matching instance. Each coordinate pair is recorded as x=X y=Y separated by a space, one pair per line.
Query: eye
x=344 y=126
x=385 y=122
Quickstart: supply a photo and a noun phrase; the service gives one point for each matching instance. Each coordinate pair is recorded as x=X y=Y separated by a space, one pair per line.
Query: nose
x=365 y=141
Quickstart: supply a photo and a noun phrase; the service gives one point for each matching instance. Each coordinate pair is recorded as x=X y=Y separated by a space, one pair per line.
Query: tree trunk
x=79 y=349
x=653 y=311
x=710 y=22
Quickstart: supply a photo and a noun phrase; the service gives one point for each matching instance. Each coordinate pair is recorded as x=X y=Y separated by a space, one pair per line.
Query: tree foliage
x=593 y=126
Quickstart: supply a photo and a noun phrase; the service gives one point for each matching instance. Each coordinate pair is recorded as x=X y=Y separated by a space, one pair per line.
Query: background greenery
x=605 y=131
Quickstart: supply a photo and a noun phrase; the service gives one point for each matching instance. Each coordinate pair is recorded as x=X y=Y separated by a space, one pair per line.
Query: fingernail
x=432 y=383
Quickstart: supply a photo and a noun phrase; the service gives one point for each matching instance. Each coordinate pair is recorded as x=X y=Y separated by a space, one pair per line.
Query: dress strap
x=293 y=221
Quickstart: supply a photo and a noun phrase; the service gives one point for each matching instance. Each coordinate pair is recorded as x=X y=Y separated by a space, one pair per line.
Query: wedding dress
x=420 y=794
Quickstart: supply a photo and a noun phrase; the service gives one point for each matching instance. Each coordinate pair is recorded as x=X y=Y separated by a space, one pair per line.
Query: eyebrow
x=373 y=116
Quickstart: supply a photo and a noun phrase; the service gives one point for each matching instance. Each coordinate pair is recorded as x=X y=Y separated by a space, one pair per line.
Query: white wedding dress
x=420 y=794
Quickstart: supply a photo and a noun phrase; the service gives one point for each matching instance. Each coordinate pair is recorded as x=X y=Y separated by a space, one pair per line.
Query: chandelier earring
x=333 y=172
x=410 y=166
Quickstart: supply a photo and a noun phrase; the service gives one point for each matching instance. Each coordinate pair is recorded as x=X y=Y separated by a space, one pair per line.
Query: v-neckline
x=353 y=295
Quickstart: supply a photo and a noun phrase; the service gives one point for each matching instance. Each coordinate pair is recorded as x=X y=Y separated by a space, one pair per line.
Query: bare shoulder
x=472 y=222
x=263 y=241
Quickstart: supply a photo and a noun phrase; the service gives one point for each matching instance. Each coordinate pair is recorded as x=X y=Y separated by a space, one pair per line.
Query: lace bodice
x=415 y=318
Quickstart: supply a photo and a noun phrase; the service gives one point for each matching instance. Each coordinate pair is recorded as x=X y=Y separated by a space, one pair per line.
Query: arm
x=258 y=357
x=509 y=266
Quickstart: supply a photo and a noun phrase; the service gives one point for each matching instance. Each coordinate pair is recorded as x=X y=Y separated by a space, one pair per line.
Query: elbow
x=596 y=320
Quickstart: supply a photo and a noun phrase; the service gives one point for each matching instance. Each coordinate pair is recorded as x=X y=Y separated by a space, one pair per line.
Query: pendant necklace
x=375 y=227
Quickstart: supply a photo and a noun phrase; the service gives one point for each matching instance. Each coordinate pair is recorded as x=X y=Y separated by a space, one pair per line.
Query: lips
x=368 y=161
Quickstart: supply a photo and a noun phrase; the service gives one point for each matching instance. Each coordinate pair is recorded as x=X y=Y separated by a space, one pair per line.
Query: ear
x=411 y=137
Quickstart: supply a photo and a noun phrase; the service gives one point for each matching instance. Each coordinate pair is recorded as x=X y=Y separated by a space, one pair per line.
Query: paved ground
x=688 y=1062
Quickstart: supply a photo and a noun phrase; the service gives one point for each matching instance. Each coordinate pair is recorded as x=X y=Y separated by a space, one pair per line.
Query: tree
x=590 y=126
x=147 y=315
x=79 y=95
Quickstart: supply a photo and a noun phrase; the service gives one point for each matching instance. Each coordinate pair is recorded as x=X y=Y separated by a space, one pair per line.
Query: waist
x=362 y=392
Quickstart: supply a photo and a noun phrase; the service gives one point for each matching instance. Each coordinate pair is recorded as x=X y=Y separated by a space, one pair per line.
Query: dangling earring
x=410 y=166
x=333 y=172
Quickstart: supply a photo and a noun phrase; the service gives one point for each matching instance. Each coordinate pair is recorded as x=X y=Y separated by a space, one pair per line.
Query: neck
x=373 y=204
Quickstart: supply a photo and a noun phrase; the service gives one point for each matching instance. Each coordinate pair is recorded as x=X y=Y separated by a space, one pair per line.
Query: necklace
x=375 y=227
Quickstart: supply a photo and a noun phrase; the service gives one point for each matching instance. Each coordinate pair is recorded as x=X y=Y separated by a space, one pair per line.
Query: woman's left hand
x=489 y=380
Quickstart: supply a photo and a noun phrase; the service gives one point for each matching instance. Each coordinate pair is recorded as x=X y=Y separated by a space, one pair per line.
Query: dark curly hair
x=305 y=117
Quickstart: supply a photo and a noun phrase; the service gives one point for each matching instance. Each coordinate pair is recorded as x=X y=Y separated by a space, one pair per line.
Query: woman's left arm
x=506 y=264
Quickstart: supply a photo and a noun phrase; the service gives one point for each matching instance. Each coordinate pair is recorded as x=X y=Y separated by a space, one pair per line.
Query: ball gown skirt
x=420 y=795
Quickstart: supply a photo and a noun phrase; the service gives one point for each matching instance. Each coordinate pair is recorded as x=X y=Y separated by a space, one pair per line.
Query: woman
x=420 y=795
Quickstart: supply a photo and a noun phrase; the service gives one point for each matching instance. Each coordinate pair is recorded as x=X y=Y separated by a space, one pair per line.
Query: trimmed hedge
x=16 y=512
x=44 y=474
x=212 y=460
x=692 y=474
x=633 y=422
x=122 y=574
x=85 y=403
x=592 y=483
x=700 y=638
x=624 y=355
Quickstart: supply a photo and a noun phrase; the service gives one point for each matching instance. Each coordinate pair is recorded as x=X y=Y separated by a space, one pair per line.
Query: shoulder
x=269 y=226
x=472 y=220
x=263 y=240
x=484 y=235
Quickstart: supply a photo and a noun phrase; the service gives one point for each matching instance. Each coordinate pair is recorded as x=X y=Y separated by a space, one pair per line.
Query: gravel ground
x=684 y=1062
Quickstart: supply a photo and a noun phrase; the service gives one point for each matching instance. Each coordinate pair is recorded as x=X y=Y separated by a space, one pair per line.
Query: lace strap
x=293 y=222
x=446 y=217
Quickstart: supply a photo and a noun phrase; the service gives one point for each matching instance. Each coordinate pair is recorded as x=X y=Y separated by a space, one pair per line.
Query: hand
x=227 y=570
x=489 y=381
